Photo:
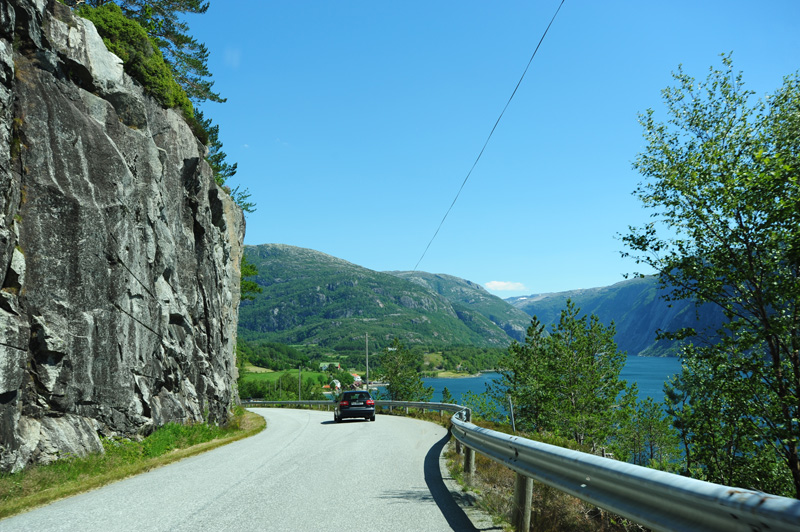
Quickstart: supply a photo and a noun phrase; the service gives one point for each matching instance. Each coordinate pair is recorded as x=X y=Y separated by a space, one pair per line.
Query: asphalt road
x=302 y=473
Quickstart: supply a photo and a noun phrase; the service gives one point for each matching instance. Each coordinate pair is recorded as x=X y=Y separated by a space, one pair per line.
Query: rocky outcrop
x=119 y=255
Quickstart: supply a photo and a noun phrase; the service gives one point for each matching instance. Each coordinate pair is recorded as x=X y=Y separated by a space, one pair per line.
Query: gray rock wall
x=119 y=255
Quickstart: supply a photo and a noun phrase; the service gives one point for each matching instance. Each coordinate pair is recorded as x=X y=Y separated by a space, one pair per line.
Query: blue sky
x=354 y=123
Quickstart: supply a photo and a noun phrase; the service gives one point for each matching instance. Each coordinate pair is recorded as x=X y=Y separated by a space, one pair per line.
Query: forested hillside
x=310 y=298
x=466 y=297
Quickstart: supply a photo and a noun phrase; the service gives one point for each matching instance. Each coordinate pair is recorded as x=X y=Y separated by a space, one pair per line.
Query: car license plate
x=358 y=403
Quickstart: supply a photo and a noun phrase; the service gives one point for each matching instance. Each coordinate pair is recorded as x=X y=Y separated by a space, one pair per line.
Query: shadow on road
x=452 y=512
x=332 y=422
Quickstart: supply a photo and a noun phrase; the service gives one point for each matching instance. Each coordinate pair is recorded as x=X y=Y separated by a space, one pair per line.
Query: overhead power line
x=478 y=158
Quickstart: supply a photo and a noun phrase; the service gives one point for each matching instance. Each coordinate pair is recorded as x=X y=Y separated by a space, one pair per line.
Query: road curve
x=303 y=473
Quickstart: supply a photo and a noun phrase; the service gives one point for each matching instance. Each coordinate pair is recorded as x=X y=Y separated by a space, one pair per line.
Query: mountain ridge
x=636 y=307
x=312 y=298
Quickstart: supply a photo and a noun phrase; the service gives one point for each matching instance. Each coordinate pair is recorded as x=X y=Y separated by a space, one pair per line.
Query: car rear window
x=356 y=397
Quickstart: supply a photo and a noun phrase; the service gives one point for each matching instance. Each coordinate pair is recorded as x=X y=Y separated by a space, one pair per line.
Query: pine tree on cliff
x=187 y=58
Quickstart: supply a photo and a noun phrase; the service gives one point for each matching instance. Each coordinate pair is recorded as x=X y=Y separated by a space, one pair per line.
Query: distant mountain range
x=311 y=298
x=635 y=306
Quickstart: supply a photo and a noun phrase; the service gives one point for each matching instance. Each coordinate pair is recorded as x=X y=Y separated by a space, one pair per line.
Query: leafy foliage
x=187 y=58
x=141 y=56
x=645 y=437
x=721 y=176
x=271 y=355
x=400 y=369
x=280 y=387
x=566 y=382
x=248 y=287
x=345 y=378
x=715 y=409
x=484 y=406
x=447 y=397
x=463 y=358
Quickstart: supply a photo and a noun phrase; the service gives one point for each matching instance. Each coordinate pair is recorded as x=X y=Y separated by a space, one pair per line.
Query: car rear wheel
x=372 y=418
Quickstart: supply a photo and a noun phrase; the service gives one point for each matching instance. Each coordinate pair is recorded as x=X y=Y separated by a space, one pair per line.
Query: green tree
x=721 y=176
x=447 y=397
x=345 y=378
x=216 y=157
x=187 y=58
x=140 y=54
x=248 y=287
x=645 y=437
x=484 y=406
x=566 y=382
x=399 y=369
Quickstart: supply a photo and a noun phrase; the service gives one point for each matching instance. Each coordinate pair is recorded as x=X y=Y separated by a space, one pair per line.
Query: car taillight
x=370 y=402
x=344 y=403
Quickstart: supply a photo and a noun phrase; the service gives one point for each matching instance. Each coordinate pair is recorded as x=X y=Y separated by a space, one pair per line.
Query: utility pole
x=366 y=343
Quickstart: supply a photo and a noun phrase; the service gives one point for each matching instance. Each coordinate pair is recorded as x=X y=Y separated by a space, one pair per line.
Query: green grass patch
x=42 y=484
x=433 y=361
x=256 y=369
x=275 y=375
x=454 y=374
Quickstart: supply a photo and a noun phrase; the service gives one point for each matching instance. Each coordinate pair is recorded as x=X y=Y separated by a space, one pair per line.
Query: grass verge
x=43 y=484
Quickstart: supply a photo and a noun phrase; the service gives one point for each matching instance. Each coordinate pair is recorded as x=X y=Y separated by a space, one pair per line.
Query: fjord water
x=649 y=373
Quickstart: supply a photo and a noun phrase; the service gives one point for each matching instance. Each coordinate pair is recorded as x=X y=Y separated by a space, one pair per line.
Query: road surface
x=302 y=473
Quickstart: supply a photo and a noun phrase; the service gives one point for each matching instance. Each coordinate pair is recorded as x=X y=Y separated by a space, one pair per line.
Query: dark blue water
x=647 y=372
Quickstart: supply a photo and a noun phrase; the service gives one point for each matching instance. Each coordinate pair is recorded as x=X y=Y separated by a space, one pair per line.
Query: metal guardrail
x=250 y=402
x=441 y=407
x=659 y=500
x=656 y=499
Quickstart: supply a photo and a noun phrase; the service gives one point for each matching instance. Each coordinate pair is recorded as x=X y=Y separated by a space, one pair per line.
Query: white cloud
x=501 y=286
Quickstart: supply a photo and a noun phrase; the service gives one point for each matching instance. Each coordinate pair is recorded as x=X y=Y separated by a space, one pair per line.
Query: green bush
x=141 y=56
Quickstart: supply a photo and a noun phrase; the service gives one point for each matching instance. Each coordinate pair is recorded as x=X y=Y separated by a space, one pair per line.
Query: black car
x=354 y=404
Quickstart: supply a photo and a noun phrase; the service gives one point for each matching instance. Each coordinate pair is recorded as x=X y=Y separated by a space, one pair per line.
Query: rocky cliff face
x=119 y=255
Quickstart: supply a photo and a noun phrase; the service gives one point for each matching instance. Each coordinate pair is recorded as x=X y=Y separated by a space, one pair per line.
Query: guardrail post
x=523 y=492
x=469 y=461
x=406 y=410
